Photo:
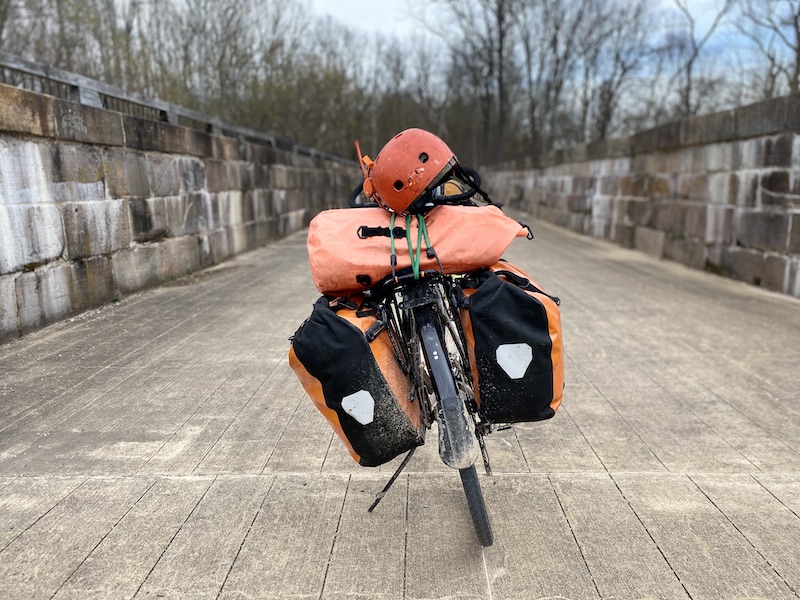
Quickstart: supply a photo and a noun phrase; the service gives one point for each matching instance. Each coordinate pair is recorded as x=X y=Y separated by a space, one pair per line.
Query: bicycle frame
x=422 y=317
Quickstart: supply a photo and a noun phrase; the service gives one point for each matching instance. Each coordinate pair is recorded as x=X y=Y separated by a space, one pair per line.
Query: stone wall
x=95 y=204
x=719 y=192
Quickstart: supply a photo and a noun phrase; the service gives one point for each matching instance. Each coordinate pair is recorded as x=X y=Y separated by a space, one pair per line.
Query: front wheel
x=477 y=506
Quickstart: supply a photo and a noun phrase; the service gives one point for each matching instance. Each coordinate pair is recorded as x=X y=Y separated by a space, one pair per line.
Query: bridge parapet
x=96 y=204
x=719 y=192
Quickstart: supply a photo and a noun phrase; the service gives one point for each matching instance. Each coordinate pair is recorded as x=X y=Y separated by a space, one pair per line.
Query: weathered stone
x=761 y=118
x=30 y=235
x=178 y=256
x=719 y=224
x=743 y=264
x=696 y=218
x=708 y=129
x=762 y=230
x=216 y=175
x=95 y=228
x=650 y=241
x=744 y=192
x=149 y=221
x=192 y=174
x=660 y=188
x=26 y=112
x=162 y=170
x=693 y=187
x=775 y=275
x=794 y=238
x=86 y=124
x=195 y=214
x=74 y=172
x=92 y=283
x=793 y=287
x=126 y=174
x=9 y=327
x=144 y=134
x=690 y=252
x=54 y=287
x=199 y=143
x=778 y=151
x=719 y=189
x=774 y=187
x=135 y=269
x=670 y=217
x=23 y=172
x=29 y=311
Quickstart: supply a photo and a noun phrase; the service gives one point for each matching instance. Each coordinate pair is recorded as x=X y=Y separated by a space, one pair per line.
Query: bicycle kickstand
x=379 y=496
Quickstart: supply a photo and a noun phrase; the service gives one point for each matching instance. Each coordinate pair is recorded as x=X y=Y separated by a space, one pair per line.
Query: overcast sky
x=402 y=16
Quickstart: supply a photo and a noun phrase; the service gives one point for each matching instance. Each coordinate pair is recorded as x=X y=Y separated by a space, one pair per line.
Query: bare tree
x=773 y=26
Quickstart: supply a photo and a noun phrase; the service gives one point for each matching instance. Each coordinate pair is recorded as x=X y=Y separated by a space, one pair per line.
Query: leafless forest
x=498 y=79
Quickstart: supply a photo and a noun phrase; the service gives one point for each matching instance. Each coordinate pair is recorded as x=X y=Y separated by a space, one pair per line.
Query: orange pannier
x=515 y=346
x=355 y=380
x=350 y=249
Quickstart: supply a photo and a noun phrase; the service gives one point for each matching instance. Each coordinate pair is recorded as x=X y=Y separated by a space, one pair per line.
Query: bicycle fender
x=458 y=445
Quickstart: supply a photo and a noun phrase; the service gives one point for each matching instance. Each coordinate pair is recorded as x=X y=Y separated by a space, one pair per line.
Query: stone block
x=177 y=256
x=29 y=310
x=690 y=252
x=30 y=235
x=761 y=118
x=719 y=224
x=23 y=172
x=144 y=134
x=743 y=264
x=192 y=174
x=95 y=228
x=793 y=287
x=660 y=188
x=216 y=175
x=778 y=151
x=54 y=283
x=163 y=175
x=135 y=269
x=670 y=217
x=745 y=191
x=195 y=217
x=9 y=327
x=719 y=189
x=775 y=185
x=762 y=230
x=708 y=129
x=92 y=283
x=775 y=275
x=149 y=221
x=794 y=237
x=216 y=246
x=26 y=112
x=87 y=124
x=696 y=219
x=693 y=187
x=638 y=212
x=199 y=143
x=650 y=241
x=663 y=137
x=126 y=174
x=610 y=185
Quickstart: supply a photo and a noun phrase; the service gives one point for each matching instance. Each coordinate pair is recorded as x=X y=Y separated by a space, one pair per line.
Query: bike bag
x=513 y=333
x=350 y=250
x=357 y=385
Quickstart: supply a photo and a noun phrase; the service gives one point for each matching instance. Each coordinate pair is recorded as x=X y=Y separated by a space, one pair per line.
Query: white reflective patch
x=514 y=359
x=360 y=406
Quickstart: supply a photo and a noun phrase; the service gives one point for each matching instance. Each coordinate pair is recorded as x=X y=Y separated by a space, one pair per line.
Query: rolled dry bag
x=513 y=331
x=357 y=385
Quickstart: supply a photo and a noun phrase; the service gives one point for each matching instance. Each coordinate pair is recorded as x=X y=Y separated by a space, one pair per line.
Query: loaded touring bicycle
x=421 y=321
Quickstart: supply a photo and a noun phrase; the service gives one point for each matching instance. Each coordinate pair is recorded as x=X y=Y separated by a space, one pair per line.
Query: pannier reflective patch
x=514 y=359
x=360 y=406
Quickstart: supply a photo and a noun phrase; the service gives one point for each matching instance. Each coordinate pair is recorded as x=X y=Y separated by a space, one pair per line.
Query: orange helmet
x=411 y=163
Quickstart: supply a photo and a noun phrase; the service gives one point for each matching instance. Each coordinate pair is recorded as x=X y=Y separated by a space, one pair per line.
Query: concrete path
x=162 y=448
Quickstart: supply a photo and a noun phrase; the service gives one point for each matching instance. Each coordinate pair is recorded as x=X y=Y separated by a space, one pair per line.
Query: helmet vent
x=398 y=185
x=423 y=158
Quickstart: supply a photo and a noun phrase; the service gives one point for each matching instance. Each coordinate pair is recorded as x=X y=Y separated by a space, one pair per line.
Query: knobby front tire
x=477 y=506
